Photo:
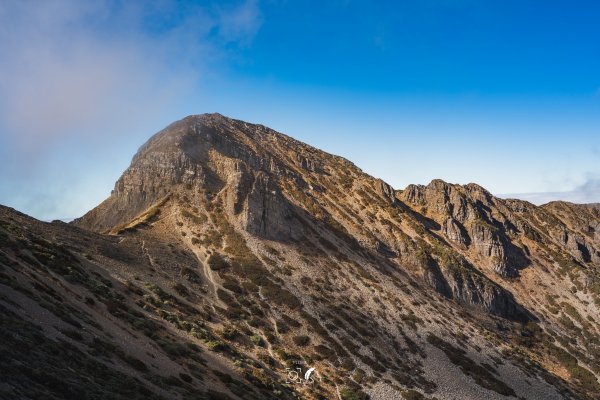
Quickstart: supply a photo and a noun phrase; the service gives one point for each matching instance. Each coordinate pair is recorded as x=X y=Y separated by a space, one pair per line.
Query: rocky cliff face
x=208 y=152
x=259 y=253
x=473 y=219
x=583 y=240
x=248 y=165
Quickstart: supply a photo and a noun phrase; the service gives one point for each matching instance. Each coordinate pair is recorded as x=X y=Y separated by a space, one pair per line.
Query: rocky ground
x=228 y=252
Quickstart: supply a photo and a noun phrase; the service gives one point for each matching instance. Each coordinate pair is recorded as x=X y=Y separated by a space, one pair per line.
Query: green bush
x=216 y=262
x=181 y=289
x=301 y=340
x=157 y=290
x=350 y=393
x=257 y=340
x=281 y=326
x=229 y=332
x=216 y=345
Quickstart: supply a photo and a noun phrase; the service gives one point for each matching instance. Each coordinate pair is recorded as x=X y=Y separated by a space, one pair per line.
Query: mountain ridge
x=265 y=253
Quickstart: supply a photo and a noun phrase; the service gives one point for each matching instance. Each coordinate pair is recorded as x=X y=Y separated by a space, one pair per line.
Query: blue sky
x=505 y=94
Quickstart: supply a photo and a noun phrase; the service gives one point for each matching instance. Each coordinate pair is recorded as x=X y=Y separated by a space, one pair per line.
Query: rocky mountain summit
x=230 y=258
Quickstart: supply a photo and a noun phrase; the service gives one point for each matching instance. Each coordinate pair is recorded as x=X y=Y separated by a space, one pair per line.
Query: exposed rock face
x=434 y=277
x=489 y=243
x=575 y=244
x=473 y=290
x=454 y=231
x=386 y=191
x=266 y=212
x=471 y=217
x=158 y=165
x=583 y=244
x=281 y=228
x=583 y=217
x=453 y=276
x=249 y=165
x=205 y=152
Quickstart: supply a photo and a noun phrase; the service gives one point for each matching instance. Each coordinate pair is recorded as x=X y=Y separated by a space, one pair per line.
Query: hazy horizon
x=504 y=95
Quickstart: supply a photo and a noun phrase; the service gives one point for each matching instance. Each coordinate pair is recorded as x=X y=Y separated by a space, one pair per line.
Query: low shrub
x=301 y=340
x=257 y=340
x=216 y=345
x=352 y=393
x=229 y=332
x=217 y=262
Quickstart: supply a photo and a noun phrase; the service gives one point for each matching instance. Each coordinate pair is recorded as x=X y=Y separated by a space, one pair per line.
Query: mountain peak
x=205 y=151
x=235 y=252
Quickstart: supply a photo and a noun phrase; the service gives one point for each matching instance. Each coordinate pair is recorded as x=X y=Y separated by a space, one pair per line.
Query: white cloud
x=589 y=192
x=241 y=23
x=77 y=76
x=82 y=67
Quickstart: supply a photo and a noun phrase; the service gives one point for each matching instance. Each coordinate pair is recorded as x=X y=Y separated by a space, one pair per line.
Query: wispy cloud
x=588 y=192
x=87 y=73
x=72 y=67
x=239 y=24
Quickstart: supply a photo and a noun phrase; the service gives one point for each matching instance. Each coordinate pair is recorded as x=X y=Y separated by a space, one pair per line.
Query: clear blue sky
x=505 y=94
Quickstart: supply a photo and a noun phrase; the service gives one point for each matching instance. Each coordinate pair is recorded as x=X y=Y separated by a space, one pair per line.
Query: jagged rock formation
x=232 y=251
x=584 y=242
x=472 y=218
